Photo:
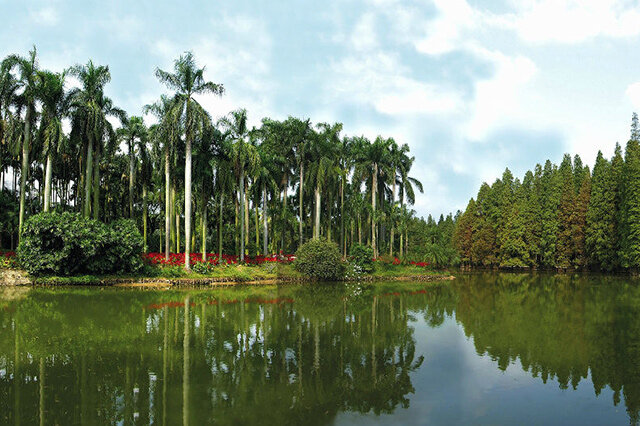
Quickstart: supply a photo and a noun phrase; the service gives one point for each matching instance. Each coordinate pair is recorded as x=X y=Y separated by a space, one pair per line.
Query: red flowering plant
x=177 y=259
x=8 y=260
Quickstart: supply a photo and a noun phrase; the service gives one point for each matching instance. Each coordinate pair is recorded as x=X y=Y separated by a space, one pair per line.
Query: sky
x=471 y=86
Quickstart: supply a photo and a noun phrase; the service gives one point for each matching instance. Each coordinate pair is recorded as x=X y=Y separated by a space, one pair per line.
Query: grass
x=232 y=273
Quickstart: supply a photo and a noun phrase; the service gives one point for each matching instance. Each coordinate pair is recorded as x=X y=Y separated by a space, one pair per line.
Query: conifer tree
x=630 y=208
x=600 y=233
x=564 y=251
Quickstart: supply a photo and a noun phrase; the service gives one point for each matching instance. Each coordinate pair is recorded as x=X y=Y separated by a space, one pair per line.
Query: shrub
x=362 y=256
x=67 y=244
x=319 y=259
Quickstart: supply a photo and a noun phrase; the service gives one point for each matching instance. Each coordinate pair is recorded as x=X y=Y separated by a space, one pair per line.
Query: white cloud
x=45 y=16
x=574 y=21
x=445 y=32
x=379 y=79
x=501 y=98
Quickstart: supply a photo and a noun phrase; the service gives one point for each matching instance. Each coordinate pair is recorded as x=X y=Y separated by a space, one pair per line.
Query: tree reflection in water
x=285 y=356
x=298 y=354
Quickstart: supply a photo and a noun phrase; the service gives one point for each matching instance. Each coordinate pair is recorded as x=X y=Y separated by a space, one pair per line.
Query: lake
x=483 y=349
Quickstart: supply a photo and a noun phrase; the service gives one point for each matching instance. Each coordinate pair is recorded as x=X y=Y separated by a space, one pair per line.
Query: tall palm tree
x=324 y=164
x=302 y=135
x=90 y=109
x=187 y=80
x=55 y=106
x=167 y=132
x=146 y=172
x=264 y=183
x=374 y=157
x=27 y=68
x=132 y=132
x=244 y=157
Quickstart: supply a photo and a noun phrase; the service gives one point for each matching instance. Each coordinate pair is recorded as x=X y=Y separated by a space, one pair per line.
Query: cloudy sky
x=471 y=86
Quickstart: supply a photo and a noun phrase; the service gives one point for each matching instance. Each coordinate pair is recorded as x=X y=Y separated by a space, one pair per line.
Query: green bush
x=68 y=244
x=362 y=256
x=319 y=259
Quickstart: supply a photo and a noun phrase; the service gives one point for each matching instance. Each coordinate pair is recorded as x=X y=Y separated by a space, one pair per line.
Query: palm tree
x=244 y=157
x=406 y=186
x=168 y=132
x=90 y=109
x=132 y=132
x=324 y=164
x=55 y=105
x=27 y=68
x=264 y=182
x=146 y=173
x=188 y=81
x=374 y=157
x=303 y=134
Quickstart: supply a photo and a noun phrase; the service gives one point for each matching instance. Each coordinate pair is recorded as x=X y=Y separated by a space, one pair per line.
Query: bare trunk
x=167 y=203
x=316 y=229
x=257 y=229
x=187 y=204
x=47 y=183
x=24 y=170
x=265 y=230
x=242 y=230
x=145 y=216
x=343 y=240
x=393 y=209
x=131 y=171
x=220 y=222
x=374 y=187
x=96 y=187
x=301 y=223
x=87 y=178
x=204 y=227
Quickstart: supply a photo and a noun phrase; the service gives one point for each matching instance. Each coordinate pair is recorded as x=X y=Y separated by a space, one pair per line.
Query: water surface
x=484 y=349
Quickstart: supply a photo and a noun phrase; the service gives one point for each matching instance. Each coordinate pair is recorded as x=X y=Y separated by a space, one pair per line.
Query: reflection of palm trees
x=185 y=366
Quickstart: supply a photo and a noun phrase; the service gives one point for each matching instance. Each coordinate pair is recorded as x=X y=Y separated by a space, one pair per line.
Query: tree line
x=191 y=181
x=558 y=216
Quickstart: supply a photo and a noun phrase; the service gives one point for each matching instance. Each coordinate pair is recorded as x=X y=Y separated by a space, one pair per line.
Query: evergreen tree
x=600 y=233
x=630 y=208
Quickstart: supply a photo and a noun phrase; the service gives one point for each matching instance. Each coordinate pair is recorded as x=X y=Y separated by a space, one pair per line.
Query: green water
x=484 y=349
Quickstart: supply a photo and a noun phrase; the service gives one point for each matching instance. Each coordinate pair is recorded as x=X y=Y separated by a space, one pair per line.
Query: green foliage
x=67 y=244
x=362 y=256
x=319 y=259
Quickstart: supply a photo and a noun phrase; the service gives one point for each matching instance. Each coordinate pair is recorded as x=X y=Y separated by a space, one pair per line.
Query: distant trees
x=559 y=217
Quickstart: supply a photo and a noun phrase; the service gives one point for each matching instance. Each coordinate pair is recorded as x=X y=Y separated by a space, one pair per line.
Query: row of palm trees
x=297 y=179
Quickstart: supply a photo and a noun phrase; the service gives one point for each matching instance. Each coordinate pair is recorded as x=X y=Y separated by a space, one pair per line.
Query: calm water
x=484 y=349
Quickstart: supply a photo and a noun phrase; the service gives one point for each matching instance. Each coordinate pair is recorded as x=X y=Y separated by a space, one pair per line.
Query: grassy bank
x=229 y=274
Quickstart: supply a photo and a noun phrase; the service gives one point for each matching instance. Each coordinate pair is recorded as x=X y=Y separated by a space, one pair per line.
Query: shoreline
x=15 y=278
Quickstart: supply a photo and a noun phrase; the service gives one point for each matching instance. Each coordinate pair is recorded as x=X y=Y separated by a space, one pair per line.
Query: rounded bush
x=362 y=256
x=68 y=244
x=319 y=259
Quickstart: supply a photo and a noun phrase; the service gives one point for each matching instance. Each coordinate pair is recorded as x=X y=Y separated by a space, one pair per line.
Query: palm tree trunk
x=242 y=230
x=265 y=230
x=131 y=170
x=343 y=241
x=167 y=202
x=204 y=227
x=24 y=171
x=87 y=179
x=96 y=187
x=220 y=222
x=145 y=216
x=374 y=187
x=246 y=216
x=393 y=207
x=47 y=182
x=316 y=228
x=187 y=204
x=284 y=209
x=177 y=230
x=257 y=228
x=301 y=223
